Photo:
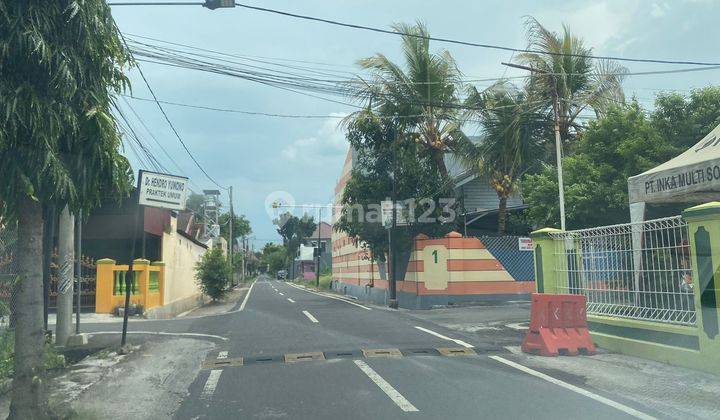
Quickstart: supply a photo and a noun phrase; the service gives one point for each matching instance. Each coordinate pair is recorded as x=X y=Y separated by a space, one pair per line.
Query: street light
x=558 y=144
x=210 y=4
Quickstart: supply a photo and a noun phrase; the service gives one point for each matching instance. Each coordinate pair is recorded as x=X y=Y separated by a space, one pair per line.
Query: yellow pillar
x=104 y=285
x=545 y=260
x=704 y=229
x=161 y=280
x=140 y=266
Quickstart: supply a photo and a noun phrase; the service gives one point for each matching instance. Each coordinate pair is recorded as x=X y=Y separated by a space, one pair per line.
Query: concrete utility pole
x=66 y=256
x=558 y=143
x=317 y=266
x=231 y=241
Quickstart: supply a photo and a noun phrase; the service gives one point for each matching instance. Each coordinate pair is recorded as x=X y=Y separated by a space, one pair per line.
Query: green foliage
x=61 y=63
x=683 y=121
x=622 y=144
x=421 y=88
x=7 y=350
x=212 y=273
x=53 y=359
x=194 y=203
x=241 y=226
x=580 y=81
x=294 y=230
x=380 y=151
x=274 y=257
x=511 y=144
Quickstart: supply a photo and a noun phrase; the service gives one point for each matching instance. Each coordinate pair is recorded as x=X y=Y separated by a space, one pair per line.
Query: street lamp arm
x=147 y=3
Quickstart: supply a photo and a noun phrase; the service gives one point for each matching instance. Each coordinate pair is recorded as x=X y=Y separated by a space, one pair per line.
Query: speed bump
x=302 y=357
x=221 y=363
x=382 y=352
x=456 y=351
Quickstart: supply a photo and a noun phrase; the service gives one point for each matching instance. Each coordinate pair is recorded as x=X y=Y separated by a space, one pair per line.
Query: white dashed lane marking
x=444 y=337
x=211 y=384
x=388 y=389
x=310 y=317
x=290 y=300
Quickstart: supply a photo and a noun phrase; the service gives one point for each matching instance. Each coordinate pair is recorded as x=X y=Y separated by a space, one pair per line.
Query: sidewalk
x=150 y=382
x=227 y=304
x=671 y=390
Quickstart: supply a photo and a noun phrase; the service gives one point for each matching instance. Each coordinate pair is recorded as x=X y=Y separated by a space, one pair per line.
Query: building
x=305 y=259
x=440 y=271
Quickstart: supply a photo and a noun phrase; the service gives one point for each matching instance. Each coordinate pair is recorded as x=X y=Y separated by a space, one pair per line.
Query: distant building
x=305 y=260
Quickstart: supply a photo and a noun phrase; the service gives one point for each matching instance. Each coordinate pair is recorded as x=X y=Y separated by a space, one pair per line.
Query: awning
x=692 y=176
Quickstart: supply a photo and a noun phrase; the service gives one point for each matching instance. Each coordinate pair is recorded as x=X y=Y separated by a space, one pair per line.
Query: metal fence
x=506 y=249
x=635 y=270
x=8 y=244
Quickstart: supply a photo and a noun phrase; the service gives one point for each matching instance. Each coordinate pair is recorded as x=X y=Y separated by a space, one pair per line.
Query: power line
x=168 y=119
x=467 y=43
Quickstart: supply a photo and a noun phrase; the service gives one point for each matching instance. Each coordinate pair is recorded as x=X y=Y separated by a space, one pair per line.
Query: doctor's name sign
x=162 y=190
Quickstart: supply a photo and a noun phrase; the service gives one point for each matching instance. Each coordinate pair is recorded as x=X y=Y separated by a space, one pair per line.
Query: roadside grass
x=325 y=280
x=53 y=359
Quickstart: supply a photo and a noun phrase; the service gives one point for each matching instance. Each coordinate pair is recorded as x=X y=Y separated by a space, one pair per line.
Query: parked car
x=282 y=274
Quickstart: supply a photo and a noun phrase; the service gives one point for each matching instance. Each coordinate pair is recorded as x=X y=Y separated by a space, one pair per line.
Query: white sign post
x=154 y=190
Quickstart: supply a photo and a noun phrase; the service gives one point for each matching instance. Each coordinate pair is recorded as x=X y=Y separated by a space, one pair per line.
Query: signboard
x=387 y=214
x=525 y=244
x=162 y=190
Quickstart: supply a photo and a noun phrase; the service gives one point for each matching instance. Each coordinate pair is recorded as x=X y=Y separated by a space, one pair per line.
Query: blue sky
x=261 y=155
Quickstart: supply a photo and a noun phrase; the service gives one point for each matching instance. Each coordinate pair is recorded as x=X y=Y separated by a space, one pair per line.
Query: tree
x=613 y=148
x=60 y=64
x=273 y=257
x=195 y=203
x=381 y=154
x=294 y=230
x=241 y=226
x=563 y=65
x=212 y=273
x=682 y=120
x=510 y=144
x=423 y=93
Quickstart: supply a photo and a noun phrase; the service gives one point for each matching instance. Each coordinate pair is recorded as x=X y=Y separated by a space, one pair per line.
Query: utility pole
x=78 y=268
x=66 y=239
x=317 y=264
x=231 y=241
x=558 y=142
x=391 y=251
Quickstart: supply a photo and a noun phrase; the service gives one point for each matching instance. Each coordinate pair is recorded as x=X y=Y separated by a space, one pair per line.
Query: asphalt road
x=279 y=320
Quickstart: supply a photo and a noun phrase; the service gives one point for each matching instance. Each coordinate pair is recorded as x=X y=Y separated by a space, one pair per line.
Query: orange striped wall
x=452 y=265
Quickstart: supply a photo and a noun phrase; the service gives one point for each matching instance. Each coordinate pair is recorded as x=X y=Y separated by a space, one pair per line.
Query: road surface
x=286 y=352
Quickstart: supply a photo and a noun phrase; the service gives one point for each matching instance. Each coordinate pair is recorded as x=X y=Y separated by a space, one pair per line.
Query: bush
x=213 y=274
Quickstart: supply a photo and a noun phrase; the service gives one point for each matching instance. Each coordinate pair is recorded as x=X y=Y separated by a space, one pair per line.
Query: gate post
x=704 y=230
x=545 y=260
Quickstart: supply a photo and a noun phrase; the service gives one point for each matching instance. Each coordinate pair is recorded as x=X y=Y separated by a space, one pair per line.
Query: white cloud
x=328 y=142
x=598 y=22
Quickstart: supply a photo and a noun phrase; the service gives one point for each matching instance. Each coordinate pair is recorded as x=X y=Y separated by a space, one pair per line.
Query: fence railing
x=635 y=270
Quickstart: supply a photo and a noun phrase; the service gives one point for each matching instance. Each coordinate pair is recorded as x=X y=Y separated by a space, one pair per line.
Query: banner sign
x=525 y=244
x=163 y=190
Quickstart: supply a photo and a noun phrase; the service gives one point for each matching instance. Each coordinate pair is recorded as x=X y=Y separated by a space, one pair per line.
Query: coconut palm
x=510 y=144
x=562 y=62
x=60 y=63
x=425 y=88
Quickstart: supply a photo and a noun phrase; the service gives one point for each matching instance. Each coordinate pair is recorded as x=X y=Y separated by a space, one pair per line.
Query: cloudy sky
x=260 y=155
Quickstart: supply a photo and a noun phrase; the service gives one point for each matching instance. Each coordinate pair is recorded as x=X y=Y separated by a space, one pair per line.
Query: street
x=277 y=322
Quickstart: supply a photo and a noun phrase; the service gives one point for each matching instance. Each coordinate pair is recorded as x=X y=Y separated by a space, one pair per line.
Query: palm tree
x=422 y=94
x=510 y=144
x=62 y=61
x=562 y=63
